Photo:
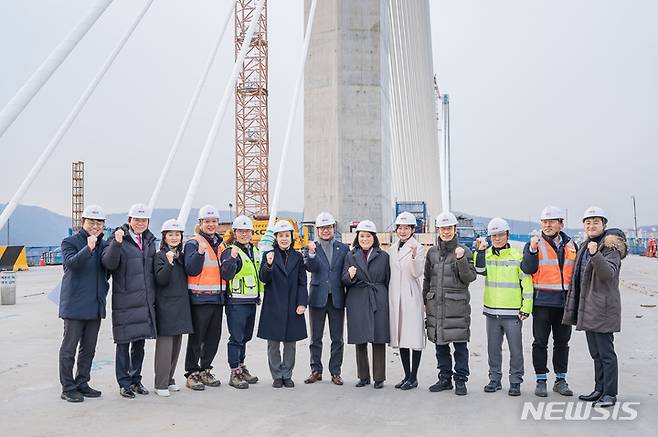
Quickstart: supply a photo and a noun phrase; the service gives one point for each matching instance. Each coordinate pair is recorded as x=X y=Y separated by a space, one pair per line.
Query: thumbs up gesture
x=351 y=271
x=270 y=258
x=170 y=257
x=118 y=235
x=459 y=252
x=91 y=242
x=311 y=247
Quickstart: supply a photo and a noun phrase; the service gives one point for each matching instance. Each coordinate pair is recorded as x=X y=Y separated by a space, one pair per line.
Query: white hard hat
x=243 y=222
x=446 y=218
x=172 y=225
x=139 y=210
x=282 y=226
x=406 y=218
x=208 y=212
x=594 y=211
x=366 y=225
x=551 y=213
x=497 y=225
x=93 y=212
x=324 y=219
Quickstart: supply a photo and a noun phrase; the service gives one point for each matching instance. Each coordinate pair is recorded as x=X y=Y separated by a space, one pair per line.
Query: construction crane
x=77 y=194
x=443 y=126
x=251 y=117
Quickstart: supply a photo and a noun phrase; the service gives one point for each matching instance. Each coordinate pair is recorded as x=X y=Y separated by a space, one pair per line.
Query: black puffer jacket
x=172 y=301
x=446 y=295
x=133 y=286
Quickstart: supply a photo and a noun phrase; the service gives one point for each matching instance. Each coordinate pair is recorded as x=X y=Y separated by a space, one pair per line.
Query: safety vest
x=549 y=277
x=209 y=281
x=246 y=283
x=507 y=290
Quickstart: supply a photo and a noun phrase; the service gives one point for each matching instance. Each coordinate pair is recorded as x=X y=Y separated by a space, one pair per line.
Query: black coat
x=367 y=297
x=133 y=287
x=84 y=286
x=172 y=301
x=325 y=278
x=285 y=289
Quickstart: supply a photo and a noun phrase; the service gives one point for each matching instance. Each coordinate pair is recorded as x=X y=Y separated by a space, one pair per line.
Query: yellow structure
x=13 y=258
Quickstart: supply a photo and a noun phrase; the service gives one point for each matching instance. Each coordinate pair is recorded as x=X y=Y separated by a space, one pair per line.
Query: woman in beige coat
x=405 y=299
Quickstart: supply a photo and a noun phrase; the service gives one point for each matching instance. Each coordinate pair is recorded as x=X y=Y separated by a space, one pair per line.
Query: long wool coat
x=405 y=296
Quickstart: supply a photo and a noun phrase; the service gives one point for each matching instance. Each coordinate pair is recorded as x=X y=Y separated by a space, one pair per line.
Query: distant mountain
x=36 y=226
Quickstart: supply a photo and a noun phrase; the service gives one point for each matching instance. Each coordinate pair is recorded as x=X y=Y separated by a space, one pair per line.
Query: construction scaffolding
x=251 y=118
x=77 y=194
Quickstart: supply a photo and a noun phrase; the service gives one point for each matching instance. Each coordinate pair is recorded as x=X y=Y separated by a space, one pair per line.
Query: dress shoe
x=400 y=384
x=277 y=383
x=89 y=392
x=72 y=396
x=313 y=377
x=363 y=382
x=408 y=385
x=605 y=401
x=288 y=383
x=378 y=384
x=441 y=385
x=592 y=397
x=336 y=379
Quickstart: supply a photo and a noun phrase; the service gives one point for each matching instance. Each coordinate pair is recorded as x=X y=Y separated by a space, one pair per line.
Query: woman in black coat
x=172 y=306
x=129 y=257
x=366 y=274
x=284 y=302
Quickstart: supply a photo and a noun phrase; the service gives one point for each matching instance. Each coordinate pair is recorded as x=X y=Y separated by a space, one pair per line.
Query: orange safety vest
x=548 y=277
x=209 y=281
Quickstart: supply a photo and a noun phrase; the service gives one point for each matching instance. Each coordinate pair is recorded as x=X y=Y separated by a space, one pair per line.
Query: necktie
x=139 y=241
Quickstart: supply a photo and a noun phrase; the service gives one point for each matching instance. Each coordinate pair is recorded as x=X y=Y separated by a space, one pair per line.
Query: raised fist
x=482 y=245
x=300 y=309
x=118 y=235
x=170 y=257
x=311 y=247
x=414 y=250
x=202 y=247
x=270 y=258
x=234 y=252
x=91 y=241
x=459 y=252
x=534 y=243
x=592 y=247
x=351 y=271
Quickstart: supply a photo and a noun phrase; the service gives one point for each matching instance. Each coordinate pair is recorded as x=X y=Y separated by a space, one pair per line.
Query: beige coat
x=405 y=296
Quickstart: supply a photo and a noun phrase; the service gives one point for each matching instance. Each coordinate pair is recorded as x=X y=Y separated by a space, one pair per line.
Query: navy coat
x=325 y=278
x=285 y=288
x=84 y=287
x=172 y=301
x=133 y=287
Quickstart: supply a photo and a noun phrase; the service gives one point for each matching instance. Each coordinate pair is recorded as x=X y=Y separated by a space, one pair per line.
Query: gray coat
x=446 y=295
x=593 y=302
x=367 y=297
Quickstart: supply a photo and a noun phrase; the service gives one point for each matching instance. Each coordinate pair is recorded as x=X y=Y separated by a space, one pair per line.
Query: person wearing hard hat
x=202 y=256
x=83 y=294
x=550 y=259
x=240 y=267
x=405 y=298
x=366 y=274
x=448 y=272
x=324 y=259
x=508 y=296
x=172 y=306
x=129 y=256
x=593 y=302
x=284 y=303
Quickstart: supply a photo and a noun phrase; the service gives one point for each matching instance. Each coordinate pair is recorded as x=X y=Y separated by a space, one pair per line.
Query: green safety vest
x=246 y=284
x=507 y=290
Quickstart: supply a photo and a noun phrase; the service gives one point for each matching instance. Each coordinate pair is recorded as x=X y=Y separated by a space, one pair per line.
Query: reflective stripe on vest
x=506 y=288
x=209 y=281
x=549 y=277
x=246 y=283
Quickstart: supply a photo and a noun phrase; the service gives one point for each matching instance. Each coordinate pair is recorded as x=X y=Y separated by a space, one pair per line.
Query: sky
x=551 y=103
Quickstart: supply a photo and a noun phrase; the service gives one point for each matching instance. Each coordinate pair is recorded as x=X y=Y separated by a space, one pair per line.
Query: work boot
x=248 y=377
x=493 y=386
x=460 y=388
x=236 y=380
x=72 y=396
x=514 y=389
x=194 y=382
x=209 y=379
x=562 y=387
x=540 y=389
x=441 y=385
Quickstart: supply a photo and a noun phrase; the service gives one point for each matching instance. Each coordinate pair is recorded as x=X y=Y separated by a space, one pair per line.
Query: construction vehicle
x=418 y=209
x=300 y=239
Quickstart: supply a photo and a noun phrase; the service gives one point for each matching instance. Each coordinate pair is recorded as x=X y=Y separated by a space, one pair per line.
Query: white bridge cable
x=219 y=115
x=66 y=125
x=291 y=118
x=44 y=72
x=190 y=108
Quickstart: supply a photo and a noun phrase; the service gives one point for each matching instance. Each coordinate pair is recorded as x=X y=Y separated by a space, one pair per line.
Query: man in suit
x=324 y=260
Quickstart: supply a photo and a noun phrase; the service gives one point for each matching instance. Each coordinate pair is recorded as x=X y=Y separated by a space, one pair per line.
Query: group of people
x=400 y=296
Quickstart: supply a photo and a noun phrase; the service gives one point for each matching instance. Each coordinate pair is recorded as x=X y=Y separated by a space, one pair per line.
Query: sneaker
x=209 y=379
x=514 y=389
x=460 y=388
x=89 y=392
x=562 y=387
x=493 y=386
x=236 y=380
x=139 y=388
x=248 y=377
x=164 y=393
x=127 y=392
x=173 y=387
x=540 y=389
x=194 y=382
x=72 y=396
x=441 y=385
